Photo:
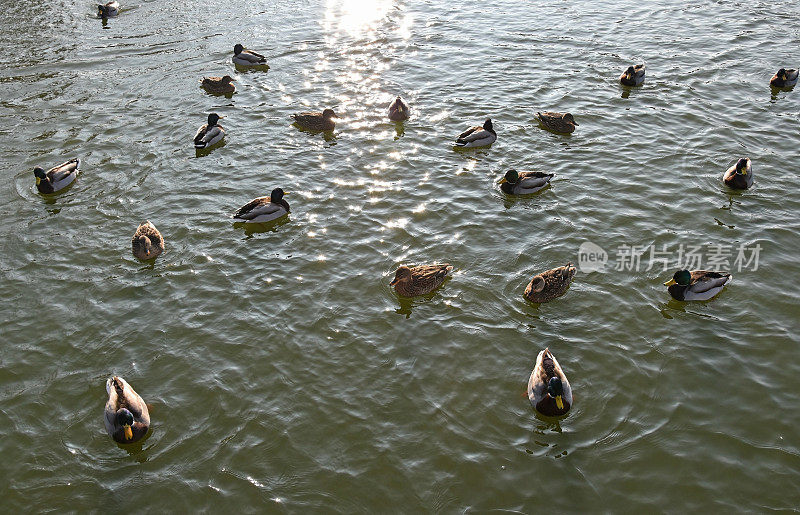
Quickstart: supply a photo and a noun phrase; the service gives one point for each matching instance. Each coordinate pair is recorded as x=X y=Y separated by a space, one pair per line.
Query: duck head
x=277 y=195
x=512 y=176
x=227 y=79
x=403 y=273
x=630 y=72
x=146 y=245
x=781 y=74
x=40 y=175
x=741 y=166
x=328 y=114
x=488 y=125
x=238 y=49
x=555 y=389
x=124 y=419
x=681 y=277
x=569 y=119
x=213 y=119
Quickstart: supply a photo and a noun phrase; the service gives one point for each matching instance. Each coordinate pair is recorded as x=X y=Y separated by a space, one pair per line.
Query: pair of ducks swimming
x=783 y=78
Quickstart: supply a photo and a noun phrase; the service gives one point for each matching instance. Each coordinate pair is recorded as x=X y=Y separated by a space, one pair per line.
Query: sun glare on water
x=356 y=17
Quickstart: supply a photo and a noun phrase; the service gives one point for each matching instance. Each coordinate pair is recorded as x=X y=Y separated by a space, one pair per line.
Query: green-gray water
x=282 y=371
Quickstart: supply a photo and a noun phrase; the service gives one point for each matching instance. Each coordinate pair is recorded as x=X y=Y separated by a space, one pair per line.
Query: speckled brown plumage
x=147 y=243
x=316 y=121
x=550 y=284
x=562 y=123
x=218 y=85
x=419 y=280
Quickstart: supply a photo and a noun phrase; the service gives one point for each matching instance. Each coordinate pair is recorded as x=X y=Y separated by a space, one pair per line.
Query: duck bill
x=394 y=281
x=670 y=282
x=38 y=181
x=576 y=124
x=502 y=181
x=128 y=432
x=559 y=402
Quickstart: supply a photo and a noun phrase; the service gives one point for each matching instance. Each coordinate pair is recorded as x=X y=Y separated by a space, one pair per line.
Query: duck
x=419 y=280
x=516 y=183
x=562 y=123
x=147 y=243
x=548 y=387
x=740 y=175
x=263 y=209
x=126 y=417
x=244 y=57
x=108 y=10
x=209 y=133
x=316 y=121
x=550 y=284
x=218 y=85
x=399 y=110
x=697 y=284
x=58 y=177
x=477 y=136
x=633 y=76
x=784 y=78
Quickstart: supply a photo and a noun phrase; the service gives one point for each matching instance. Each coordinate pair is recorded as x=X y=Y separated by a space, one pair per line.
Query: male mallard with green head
x=147 y=243
x=633 y=76
x=58 y=177
x=550 y=284
x=477 y=136
x=244 y=57
x=263 y=209
x=740 y=175
x=524 y=183
x=316 y=121
x=419 y=280
x=562 y=123
x=218 y=85
x=548 y=388
x=126 y=417
x=784 y=78
x=209 y=134
x=697 y=284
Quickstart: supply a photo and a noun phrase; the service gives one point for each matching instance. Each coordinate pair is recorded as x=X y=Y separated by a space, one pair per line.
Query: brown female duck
x=316 y=121
x=147 y=243
x=550 y=284
x=218 y=85
x=562 y=123
x=419 y=280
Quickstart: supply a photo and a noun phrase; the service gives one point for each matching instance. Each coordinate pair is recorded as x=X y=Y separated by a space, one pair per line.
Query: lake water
x=283 y=372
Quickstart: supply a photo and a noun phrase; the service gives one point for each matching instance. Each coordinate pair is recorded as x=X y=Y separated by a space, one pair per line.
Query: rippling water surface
x=282 y=371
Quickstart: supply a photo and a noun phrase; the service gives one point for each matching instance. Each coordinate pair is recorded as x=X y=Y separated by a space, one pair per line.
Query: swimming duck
x=263 y=209
x=477 y=136
x=58 y=177
x=697 y=284
x=210 y=133
x=548 y=388
x=784 y=78
x=399 y=110
x=218 y=85
x=419 y=280
x=316 y=121
x=108 y=10
x=147 y=243
x=244 y=57
x=633 y=76
x=740 y=175
x=550 y=284
x=515 y=183
x=126 y=417
x=562 y=123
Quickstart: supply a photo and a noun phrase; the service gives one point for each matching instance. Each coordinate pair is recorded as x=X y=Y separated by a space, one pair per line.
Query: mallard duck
x=419 y=280
x=548 y=388
x=399 y=110
x=263 y=209
x=108 y=10
x=550 y=284
x=515 y=183
x=633 y=76
x=316 y=121
x=209 y=133
x=784 y=78
x=697 y=284
x=244 y=57
x=218 y=85
x=562 y=123
x=477 y=136
x=147 y=243
x=58 y=177
x=126 y=418
x=740 y=175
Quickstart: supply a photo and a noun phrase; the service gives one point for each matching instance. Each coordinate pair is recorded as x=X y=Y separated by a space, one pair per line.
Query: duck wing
x=705 y=280
x=431 y=272
x=64 y=170
x=256 y=207
x=253 y=57
x=209 y=133
x=529 y=180
x=466 y=133
x=791 y=75
x=201 y=132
